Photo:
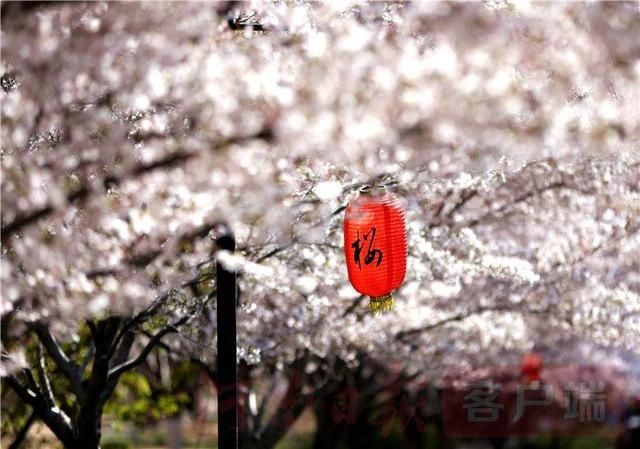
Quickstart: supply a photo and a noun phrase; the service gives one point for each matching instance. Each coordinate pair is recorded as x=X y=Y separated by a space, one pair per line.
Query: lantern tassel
x=381 y=303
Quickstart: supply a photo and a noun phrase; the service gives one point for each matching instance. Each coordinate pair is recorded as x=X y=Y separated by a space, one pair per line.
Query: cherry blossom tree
x=131 y=131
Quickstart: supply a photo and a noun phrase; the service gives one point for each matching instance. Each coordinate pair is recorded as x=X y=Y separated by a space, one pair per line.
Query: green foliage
x=116 y=443
x=392 y=439
x=136 y=400
x=296 y=442
x=564 y=443
x=206 y=280
x=14 y=411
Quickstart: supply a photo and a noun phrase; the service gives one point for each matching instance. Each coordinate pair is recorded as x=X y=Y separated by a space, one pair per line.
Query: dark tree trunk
x=289 y=410
x=98 y=388
x=328 y=432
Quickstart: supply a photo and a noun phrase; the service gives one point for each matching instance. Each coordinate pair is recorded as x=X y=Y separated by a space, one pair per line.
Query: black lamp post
x=227 y=364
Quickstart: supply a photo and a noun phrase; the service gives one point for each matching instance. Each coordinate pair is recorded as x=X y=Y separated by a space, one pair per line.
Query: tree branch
x=95 y=387
x=22 y=433
x=123 y=350
x=54 y=418
x=45 y=384
x=353 y=305
x=31 y=397
x=402 y=335
x=68 y=367
x=121 y=368
x=31 y=382
x=262 y=408
x=289 y=410
x=517 y=200
x=87 y=359
x=134 y=322
x=27 y=218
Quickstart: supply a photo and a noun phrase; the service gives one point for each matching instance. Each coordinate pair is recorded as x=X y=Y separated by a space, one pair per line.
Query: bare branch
x=145 y=314
x=88 y=357
x=118 y=370
x=45 y=384
x=10 y=228
x=354 y=305
x=22 y=433
x=257 y=419
x=67 y=366
x=402 y=335
x=29 y=396
x=56 y=419
x=294 y=402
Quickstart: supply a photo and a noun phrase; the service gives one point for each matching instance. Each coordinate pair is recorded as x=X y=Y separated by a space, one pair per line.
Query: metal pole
x=227 y=368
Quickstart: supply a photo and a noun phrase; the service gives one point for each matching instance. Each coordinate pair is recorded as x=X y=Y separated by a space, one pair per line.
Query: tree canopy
x=508 y=130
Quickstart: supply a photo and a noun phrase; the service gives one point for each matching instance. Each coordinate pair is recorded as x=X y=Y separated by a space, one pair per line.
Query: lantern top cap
x=373 y=189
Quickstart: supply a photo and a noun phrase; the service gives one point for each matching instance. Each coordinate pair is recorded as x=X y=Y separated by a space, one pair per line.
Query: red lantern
x=375 y=246
x=531 y=367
